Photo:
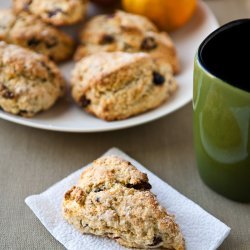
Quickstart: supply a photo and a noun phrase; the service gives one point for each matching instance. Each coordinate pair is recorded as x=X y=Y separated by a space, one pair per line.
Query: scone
x=129 y=33
x=56 y=12
x=113 y=199
x=29 y=82
x=31 y=32
x=117 y=85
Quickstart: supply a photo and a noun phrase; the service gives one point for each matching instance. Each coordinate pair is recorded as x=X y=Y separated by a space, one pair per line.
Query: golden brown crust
x=31 y=32
x=118 y=85
x=56 y=12
x=29 y=82
x=130 y=214
x=129 y=33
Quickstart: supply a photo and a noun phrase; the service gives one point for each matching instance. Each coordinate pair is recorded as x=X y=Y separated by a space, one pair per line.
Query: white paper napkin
x=201 y=230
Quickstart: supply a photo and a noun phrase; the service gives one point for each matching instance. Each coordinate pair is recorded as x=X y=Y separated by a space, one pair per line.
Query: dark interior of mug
x=226 y=53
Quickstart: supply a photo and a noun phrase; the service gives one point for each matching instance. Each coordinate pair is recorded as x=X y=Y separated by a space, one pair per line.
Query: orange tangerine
x=168 y=15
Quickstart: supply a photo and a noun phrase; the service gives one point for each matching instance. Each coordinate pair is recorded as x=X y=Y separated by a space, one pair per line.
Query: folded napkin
x=200 y=229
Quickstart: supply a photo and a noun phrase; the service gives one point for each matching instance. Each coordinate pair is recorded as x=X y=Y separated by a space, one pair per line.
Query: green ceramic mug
x=221 y=104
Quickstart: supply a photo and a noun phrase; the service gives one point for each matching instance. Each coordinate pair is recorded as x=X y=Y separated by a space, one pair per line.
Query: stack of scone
x=124 y=67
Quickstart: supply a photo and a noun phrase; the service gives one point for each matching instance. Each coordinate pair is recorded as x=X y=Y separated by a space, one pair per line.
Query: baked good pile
x=124 y=65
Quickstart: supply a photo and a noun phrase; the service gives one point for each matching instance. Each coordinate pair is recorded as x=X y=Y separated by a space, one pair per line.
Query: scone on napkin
x=201 y=230
x=112 y=199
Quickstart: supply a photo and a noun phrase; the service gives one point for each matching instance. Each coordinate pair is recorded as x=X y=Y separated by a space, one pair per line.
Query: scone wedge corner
x=113 y=199
x=118 y=85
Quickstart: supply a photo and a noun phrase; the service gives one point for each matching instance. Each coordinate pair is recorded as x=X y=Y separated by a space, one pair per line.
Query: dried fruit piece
x=148 y=43
x=107 y=39
x=84 y=101
x=158 y=79
x=54 y=12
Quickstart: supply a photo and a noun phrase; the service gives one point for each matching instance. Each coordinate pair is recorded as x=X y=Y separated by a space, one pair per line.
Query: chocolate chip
x=23 y=112
x=5 y=92
x=33 y=42
x=84 y=101
x=140 y=186
x=156 y=241
x=97 y=199
x=148 y=43
x=54 y=12
x=8 y=94
x=158 y=79
x=98 y=190
x=106 y=39
x=51 y=57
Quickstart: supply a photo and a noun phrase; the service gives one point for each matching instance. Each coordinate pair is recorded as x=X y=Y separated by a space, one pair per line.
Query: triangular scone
x=112 y=199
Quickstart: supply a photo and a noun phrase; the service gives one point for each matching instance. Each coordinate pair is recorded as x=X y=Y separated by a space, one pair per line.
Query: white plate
x=67 y=117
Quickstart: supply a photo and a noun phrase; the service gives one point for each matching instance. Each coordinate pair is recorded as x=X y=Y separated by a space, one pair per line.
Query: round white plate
x=66 y=116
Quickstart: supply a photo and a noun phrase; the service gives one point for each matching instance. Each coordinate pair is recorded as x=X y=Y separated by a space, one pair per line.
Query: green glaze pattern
x=222 y=134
